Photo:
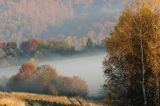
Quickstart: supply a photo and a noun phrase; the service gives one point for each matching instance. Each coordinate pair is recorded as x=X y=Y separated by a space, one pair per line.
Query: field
x=30 y=99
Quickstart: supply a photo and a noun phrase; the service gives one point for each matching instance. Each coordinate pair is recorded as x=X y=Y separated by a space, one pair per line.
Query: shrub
x=45 y=79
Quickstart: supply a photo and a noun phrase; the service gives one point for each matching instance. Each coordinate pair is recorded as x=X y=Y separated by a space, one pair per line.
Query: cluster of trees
x=45 y=79
x=6 y=49
x=38 y=48
x=132 y=67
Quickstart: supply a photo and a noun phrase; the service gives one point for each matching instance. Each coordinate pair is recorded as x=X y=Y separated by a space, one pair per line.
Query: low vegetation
x=30 y=99
x=10 y=101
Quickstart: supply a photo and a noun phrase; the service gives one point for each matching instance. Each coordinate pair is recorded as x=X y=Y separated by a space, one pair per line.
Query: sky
x=47 y=19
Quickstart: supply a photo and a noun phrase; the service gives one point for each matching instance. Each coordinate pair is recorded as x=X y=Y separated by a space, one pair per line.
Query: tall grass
x=41 y=100
x=8 y=101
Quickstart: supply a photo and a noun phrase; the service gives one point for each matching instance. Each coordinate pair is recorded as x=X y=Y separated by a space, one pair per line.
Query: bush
x=45 y=79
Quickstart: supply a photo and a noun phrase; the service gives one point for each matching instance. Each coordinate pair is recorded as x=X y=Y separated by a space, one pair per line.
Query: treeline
x=132 y=66
x=42 y=48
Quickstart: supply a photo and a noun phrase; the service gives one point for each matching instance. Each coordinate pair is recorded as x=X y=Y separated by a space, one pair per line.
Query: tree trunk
x=157 y=97
x=143 y=73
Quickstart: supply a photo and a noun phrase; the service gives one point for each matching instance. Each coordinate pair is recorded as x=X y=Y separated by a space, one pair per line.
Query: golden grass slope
x=6 y=101
x=20 y=99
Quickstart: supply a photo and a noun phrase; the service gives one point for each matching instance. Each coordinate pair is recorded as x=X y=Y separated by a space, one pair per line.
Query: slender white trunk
x=143 y=69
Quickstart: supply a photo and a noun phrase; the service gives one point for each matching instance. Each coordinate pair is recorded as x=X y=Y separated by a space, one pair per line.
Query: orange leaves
x=34 y=43
x=29 y=67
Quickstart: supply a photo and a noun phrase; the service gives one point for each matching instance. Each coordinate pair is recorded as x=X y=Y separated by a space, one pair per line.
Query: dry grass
x=6 y=101
x=8 y=98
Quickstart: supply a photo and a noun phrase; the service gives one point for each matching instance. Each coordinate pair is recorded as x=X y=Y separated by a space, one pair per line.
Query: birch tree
x=133 y=56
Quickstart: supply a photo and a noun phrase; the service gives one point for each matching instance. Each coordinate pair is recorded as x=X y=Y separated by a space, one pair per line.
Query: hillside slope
x=30 y=99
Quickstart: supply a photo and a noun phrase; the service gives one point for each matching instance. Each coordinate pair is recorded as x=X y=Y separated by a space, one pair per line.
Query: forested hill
x=23 y=19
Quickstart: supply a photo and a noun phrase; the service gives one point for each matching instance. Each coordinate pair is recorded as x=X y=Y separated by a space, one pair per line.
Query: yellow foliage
x=137 y=33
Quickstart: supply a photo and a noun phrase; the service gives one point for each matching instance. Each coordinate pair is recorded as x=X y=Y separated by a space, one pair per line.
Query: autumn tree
x=68 y=42
x=10 y=48
x=132 y=65
x=2 y=53
x=25 y=47
x=71 y=86
x=45 y=79
x=90 y=43
x=34 y=43
x=30 y=46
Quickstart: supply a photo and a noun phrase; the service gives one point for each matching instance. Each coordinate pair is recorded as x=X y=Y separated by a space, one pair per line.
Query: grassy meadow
x=31 y=99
